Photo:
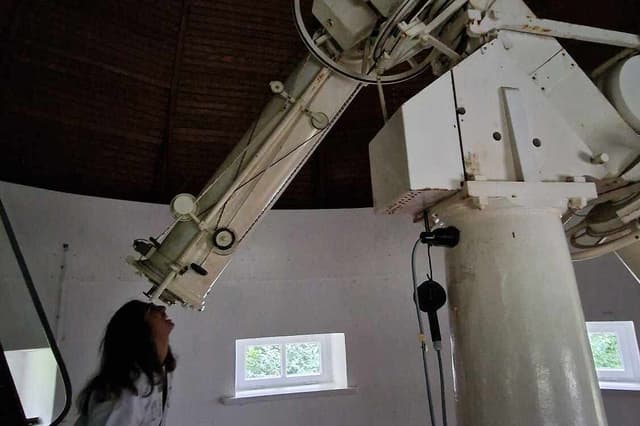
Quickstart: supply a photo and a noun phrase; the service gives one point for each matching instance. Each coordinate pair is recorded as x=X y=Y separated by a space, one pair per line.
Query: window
x=615 y=353
x=290 y=364
x=34 y=375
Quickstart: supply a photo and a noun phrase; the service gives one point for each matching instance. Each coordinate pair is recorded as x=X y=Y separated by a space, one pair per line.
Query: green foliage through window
x=262 y=362
x=303 y=359
x=606 y=352
x=265 y=361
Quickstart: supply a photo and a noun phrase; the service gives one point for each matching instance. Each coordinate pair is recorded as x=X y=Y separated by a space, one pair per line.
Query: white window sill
x=620 y=386
x=263 y=395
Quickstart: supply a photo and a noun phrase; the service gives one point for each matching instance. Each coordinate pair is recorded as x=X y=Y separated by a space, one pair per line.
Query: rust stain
x=538 y=29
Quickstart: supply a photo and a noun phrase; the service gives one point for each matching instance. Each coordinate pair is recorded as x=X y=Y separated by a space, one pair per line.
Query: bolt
x=602 y=158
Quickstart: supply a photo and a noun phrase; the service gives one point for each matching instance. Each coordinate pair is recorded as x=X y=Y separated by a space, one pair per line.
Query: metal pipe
x=550 y=28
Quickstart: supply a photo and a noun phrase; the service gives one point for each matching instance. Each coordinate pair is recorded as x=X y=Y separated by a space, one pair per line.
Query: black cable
x=423 y=342
x=41 y=314
x=442 y=391
x=430 y=274
x=244 y=154
x=437 y=345
x=425 y=218
x=427 y=227
x=260 y=173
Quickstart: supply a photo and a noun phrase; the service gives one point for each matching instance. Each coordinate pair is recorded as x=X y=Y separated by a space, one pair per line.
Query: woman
x=132 y=384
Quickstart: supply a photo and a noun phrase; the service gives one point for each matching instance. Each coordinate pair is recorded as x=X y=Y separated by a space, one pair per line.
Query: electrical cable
x=442 y=391
x=256 y=176
x=390 y=24
x=427 y=228
x=437 y=345
x=241 y=155
x=430 y=274
x=423 y=340
x=420 y=11
x=311 y=138
x=42 y=316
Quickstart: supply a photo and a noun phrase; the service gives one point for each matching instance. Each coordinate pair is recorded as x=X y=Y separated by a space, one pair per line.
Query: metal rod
x=383 y=103
x=444 y=16
x=37 y=304
x=442 y=47
x=565 y=30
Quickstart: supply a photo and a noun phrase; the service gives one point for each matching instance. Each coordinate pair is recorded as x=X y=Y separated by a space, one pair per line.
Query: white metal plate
x=586 y=110
x=415 y=158
x=479 y=81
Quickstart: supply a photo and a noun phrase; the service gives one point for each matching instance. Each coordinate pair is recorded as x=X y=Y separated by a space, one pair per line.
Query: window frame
x=629 y=375
x=332 y=366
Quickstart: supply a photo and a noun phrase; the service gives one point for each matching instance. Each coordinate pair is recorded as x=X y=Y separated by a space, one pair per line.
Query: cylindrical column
x=520 y=347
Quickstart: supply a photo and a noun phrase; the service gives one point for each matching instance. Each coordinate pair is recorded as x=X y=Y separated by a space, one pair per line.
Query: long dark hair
x=127 y=352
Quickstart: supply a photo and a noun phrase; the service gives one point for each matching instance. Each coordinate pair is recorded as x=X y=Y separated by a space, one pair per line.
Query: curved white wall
x=301 y=272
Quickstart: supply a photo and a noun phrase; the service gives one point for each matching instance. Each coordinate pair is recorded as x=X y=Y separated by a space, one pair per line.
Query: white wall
x=610 y=293
x=301 y=272
x=24 y=330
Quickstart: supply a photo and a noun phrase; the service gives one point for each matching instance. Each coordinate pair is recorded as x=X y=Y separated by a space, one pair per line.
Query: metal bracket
x=533 y=194
x=277 y=87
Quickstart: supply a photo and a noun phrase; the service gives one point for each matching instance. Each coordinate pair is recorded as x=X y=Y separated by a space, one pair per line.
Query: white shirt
x=129 y=409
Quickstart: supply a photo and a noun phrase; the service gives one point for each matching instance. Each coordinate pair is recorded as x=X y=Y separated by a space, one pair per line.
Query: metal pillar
x=520 y=347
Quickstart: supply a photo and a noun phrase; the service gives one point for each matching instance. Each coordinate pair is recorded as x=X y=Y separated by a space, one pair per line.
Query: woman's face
x=160 y=324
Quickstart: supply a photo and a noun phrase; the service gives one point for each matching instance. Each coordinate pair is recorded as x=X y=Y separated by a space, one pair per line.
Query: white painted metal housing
x=407 y=173
x=247 y=184
x=496 y=117
x=533 y=131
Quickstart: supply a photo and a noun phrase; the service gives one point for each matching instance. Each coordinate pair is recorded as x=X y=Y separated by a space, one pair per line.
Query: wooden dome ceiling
x=142 y=99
